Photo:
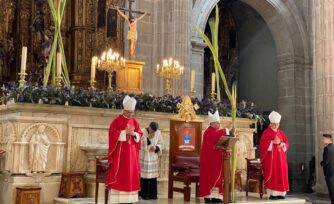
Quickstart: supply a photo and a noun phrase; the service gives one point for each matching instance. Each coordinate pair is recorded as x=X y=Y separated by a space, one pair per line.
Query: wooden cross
x=130 y=9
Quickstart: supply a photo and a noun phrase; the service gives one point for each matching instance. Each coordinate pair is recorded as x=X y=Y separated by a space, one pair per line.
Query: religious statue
x=38 y=24
x=132 y=33
x=187 y=110
x=38 y=150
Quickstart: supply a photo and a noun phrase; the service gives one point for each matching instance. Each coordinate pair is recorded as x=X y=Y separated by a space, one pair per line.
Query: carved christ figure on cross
x=132 y=33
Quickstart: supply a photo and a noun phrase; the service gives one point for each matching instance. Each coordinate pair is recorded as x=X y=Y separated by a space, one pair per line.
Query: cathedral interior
x=278 y=52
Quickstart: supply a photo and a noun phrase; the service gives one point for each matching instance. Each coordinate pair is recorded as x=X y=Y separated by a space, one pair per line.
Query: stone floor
x=178 y=198
x=291 y=199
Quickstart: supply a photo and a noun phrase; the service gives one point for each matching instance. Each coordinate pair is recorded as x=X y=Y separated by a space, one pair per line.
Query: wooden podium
x=226 y=144
x=129 y=78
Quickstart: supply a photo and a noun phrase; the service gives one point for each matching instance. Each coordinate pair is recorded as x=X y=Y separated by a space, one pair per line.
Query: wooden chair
x=101 y=174
x=255 y=175
x=184 y=169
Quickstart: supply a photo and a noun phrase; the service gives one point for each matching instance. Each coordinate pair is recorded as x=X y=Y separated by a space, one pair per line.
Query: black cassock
x=328 y=167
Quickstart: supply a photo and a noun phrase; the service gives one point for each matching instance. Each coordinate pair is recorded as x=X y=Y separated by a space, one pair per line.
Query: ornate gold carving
x=89 y=39
x=6 y=41
x=129 y=78
x=187 y=111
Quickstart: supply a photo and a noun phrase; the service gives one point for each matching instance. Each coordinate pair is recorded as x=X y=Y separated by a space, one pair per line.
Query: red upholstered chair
x=184 y=169
x=254 y=175
x=101 y=174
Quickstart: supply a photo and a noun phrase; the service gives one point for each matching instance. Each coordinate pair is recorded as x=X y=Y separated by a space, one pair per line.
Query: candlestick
x=170 y=69
x=213 y=85
x=109 y=61
x=58 y=71
x=58 y=64
x=93 y=67
x=92 y=72
x=192 y=83
x=24 y=60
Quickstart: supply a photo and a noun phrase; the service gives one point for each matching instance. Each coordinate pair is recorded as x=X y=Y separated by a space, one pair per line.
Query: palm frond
x=57 y=44
x=232 y=95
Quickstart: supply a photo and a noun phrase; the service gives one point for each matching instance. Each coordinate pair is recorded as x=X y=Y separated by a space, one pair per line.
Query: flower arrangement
x=104 y=99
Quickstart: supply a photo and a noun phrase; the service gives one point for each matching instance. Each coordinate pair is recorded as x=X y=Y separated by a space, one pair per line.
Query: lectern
x=226 y=144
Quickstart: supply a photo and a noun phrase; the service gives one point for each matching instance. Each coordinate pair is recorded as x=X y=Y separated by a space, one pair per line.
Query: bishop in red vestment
x=211 y=162
x=273 y=147
x=123 y=179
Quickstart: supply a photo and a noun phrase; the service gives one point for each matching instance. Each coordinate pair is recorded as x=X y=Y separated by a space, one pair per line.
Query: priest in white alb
x=151 y=148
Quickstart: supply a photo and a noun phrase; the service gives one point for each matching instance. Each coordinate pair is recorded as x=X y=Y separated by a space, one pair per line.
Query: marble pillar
x=164 y=34
x=323 y=76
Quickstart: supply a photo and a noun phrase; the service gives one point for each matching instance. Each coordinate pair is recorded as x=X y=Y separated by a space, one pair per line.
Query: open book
x=226 y=143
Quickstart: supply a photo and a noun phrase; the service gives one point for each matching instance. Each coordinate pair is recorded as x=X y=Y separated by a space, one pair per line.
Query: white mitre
x=275 y=117
x=129 y=103
x=214 y=117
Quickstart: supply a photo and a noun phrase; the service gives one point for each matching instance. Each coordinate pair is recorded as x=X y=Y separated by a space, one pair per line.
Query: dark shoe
x=273 y=197
x=280 y=197
x=216 y=200
x=207 y=200
x=145 y=198
x=153 y=198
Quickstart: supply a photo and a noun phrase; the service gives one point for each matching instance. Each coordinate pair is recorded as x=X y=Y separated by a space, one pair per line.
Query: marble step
x=248 y=200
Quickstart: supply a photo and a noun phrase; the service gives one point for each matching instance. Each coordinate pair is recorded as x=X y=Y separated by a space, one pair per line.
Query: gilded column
x=81 y=31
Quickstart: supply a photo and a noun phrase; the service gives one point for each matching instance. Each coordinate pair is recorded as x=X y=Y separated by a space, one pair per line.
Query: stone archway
x=293 y=71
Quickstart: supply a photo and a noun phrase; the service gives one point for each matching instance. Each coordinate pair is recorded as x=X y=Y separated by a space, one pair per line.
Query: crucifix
x=132 y=21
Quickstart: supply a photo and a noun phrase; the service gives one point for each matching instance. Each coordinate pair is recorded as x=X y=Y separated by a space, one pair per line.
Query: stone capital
x=198 y=44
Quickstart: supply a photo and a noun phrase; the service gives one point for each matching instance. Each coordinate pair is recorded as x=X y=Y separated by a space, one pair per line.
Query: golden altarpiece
x=88 y=28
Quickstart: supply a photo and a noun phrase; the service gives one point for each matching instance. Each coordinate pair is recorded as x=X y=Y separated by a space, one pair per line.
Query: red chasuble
x=211 y=162
x=274 y=163
x=123 y=157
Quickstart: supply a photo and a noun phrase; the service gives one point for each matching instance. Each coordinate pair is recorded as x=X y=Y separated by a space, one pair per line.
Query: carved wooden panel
x=72 y=185
x=90 y=38
x=6 y=38
x=29 y=195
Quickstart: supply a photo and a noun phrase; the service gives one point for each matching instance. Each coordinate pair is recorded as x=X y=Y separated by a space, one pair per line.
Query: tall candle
x=192 y=84
x=93 y=67
x=213 y=83
x=24 y=60
x=58 y=64
x=157 y=68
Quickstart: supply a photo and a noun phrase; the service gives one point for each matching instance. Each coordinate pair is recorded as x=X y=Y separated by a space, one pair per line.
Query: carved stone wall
x=77 y=135
x=16 y=160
